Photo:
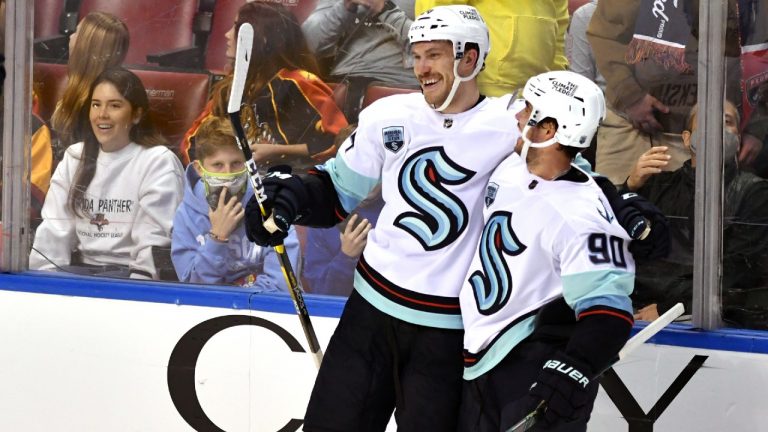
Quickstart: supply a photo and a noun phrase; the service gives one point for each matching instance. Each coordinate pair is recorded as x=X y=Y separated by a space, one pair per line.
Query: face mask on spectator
x=235 y=183
x=731 y=146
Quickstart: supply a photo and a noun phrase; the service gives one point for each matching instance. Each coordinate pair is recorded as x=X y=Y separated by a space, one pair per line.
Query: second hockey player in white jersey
x=546 y=299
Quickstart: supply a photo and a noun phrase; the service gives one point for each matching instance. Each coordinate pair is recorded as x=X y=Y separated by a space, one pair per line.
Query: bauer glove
x=285 y=197
x=563 y=385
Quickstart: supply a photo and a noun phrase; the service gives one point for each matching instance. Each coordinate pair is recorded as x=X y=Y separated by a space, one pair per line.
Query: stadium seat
x=575 y=4
x=339 y=93
x=224 y=14
x=376 y=91
x=175 y=100
x=54 y=21
x=154 y=25
x=48 y=82
x=47 y=15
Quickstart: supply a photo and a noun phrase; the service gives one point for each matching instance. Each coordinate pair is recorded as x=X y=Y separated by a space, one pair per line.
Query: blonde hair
x=213 y=134
x=102 y=43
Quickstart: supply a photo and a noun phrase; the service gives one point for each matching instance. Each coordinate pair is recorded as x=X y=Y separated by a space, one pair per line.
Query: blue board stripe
x=164 y=292
x=681 y=335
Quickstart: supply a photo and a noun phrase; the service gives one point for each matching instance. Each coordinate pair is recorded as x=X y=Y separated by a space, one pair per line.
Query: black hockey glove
x=643 y=221
x=563 y=385
x=657 y=242
x=286 y=196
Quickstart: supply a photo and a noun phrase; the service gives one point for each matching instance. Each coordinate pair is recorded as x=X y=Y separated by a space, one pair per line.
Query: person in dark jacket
x=662 y=283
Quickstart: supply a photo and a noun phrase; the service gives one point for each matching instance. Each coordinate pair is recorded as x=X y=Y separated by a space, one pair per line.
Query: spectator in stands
x=580 y=58
x=650 y=98
x=113 y=196
x=209 y=244
x=577 y=48
x=362 y=41
x=331 y=255
x=661 y=284
x=527 y=36
x=100 y=42
x=41 y=165
x=294 y=117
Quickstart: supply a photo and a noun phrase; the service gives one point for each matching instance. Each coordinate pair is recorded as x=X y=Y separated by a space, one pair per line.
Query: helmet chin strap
x=527 y=143
x=457 y=80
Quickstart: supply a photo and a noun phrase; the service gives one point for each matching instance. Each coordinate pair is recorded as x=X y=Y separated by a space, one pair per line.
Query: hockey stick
x=641 y=337
x=242 y=61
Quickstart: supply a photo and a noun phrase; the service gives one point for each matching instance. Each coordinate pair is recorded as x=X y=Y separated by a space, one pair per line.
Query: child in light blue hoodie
x=209 y=244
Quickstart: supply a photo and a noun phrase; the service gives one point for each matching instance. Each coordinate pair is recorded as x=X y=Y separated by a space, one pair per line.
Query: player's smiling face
x=433 y=66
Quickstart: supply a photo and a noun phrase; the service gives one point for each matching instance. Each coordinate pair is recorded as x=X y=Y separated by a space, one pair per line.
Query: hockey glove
x=643 y=221
x=631 y=206
x=285 y=197
x=563 y=385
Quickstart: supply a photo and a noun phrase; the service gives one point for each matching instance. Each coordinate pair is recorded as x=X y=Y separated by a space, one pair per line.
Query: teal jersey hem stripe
x=500 y=348
x=451 y=322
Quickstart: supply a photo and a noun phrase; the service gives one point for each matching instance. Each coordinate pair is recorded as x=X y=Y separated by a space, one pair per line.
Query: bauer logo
x=490 y=193
x=394 y=138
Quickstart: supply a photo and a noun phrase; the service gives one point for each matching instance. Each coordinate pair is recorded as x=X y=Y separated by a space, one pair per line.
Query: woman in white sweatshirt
x=113 y=196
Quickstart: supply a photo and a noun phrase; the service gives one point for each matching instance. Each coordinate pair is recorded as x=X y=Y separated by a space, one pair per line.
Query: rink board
x=86 y=355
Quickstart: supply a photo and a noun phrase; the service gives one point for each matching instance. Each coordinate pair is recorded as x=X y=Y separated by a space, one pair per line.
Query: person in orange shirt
x=293 y=117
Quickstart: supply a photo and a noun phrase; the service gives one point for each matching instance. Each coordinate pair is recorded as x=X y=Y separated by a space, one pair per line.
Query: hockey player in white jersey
x=398 y=343
x=545 y=303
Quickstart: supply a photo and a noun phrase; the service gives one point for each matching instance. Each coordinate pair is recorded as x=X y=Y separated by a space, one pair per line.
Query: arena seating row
x=172 y=33
x=176 y=96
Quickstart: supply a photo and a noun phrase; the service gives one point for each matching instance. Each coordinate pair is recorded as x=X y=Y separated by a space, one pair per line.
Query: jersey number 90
x=604 y=249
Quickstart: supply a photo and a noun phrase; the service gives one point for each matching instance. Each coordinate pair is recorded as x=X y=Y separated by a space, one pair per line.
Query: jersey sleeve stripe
x=351 y=186
x=623 y=316
x=603 y=287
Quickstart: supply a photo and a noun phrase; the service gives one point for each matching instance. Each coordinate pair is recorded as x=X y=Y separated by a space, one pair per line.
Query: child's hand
x=354 y=237
x=227 y=215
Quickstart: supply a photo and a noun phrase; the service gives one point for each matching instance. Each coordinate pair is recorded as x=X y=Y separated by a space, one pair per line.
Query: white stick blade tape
x=242 y=60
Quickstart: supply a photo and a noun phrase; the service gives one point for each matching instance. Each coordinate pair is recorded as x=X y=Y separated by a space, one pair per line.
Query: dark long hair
x=278 y=43
x=143 y=133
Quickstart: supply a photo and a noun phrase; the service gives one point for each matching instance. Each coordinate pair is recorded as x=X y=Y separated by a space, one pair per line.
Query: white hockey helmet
x=459 y=25
x=573 y=100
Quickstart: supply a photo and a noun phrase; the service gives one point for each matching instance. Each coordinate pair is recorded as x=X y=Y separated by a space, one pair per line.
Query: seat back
x=376 y=91
x=49 y=80
x=575 y=4
x=175 y=100
x=224 y=14
x=154 y=26
x=47 y=14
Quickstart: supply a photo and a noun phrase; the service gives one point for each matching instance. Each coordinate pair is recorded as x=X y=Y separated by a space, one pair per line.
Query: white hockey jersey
x=542 y=240
x=434 y=168
x=131 y=201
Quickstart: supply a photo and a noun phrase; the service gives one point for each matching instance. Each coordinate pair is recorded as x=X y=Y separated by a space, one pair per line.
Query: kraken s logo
x=493 y=285
x=441 y=217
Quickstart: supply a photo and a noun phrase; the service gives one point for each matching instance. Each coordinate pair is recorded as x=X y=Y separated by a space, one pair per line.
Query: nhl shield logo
x=490 y=193
x=394 y=138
